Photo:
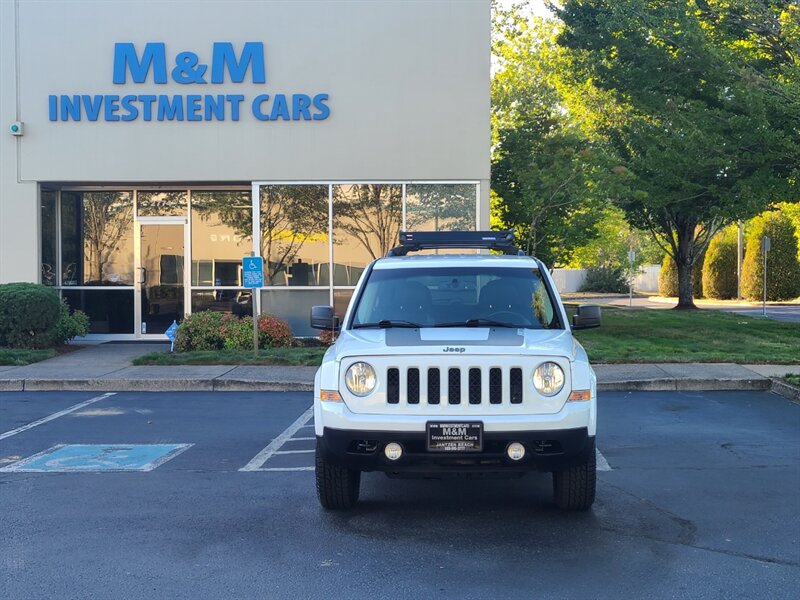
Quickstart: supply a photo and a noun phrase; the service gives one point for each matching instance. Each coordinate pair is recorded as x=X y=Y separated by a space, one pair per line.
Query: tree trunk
x=684 y=262
x=685 y=292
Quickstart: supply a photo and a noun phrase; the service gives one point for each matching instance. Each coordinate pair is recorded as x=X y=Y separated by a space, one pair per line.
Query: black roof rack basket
x=412 y=241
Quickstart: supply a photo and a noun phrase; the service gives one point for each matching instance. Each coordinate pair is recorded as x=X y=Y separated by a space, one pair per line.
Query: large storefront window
x=294 y=235
x=96 y=238
x=222 y=233
x=441 y=207
x=316 y=240
x=49 y=237
x=367 y=219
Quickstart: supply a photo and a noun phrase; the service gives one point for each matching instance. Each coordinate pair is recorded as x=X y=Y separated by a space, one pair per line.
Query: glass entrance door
x=160 y=281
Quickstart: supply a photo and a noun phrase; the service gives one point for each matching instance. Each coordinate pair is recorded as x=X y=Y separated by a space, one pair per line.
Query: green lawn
x=651 y=335
x=19 y=357
x=793 y=379
x=272 y=356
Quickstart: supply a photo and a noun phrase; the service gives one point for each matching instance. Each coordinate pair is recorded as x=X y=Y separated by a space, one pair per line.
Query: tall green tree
x=544 y=170
x=698 y=100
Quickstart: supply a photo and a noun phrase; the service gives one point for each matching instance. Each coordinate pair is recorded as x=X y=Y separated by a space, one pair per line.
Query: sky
x=537 y=6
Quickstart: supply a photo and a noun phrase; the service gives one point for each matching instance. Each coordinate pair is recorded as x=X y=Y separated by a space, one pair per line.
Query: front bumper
x=546 y=450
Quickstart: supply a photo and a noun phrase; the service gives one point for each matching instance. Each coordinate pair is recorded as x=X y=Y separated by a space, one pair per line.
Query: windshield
x=477 y=296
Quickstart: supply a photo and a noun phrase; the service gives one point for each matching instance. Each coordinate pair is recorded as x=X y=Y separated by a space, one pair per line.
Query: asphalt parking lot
x=701 y=500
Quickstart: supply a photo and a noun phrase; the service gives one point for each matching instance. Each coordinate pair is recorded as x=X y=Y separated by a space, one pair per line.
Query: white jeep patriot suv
x=455 y=363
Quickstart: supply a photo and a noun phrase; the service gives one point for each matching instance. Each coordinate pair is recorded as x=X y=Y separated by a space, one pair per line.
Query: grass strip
x=19 y=357
x=793 y=379
x=271 y=356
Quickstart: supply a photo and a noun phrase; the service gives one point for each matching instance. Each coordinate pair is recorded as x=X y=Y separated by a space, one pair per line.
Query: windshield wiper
x=478 y=323
x=386 y=324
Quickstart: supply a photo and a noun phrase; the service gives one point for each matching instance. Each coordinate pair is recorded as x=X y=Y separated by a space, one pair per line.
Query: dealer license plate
x=455 y=436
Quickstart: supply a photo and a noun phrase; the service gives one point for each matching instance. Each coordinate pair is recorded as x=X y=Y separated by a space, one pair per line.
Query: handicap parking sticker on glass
x=93 y=458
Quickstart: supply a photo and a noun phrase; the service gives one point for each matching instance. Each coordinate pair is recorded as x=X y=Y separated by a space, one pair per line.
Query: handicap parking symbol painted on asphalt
x=76 y=458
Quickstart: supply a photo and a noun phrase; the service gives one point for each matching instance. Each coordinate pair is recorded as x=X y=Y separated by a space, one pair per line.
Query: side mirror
x=322 y=317
x=586 y=317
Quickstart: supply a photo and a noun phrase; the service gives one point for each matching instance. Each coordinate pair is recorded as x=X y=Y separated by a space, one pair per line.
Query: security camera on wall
x=15 y=128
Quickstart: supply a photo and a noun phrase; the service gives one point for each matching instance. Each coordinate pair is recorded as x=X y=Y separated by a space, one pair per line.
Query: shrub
x=28 y=313
x=69 y=326
x=328 y=336
x=783 y=270
x=238 y=334
x=274 y=332
x=668 y=278
x=605 y=279
x=202 y=331
x=719 y=267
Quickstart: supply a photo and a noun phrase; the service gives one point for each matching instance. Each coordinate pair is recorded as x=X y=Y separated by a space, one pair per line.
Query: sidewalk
x=108 y=368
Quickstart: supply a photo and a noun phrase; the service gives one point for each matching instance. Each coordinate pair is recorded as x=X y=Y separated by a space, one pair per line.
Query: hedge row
x=717 y=276
x=33 y=316
x=210 y=330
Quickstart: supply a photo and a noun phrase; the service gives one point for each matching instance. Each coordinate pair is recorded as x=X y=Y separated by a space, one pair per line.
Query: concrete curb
x=684 y=385
x=243 y=385
x=786 y=390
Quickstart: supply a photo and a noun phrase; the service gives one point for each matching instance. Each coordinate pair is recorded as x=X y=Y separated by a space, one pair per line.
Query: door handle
x=143 y=276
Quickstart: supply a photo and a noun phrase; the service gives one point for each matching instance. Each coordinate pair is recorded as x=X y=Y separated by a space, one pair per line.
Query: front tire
x=337 y=487
x=574 y=487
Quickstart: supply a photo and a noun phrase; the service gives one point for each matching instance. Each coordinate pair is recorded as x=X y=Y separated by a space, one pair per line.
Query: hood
x=456 y=340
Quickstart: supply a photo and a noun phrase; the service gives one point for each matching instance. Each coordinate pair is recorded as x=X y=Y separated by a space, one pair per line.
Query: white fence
x=571 y=280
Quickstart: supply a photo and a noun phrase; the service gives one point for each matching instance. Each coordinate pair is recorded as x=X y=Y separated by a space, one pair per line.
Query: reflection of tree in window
x=372 y=214
x=161 y=204
x=290 y=217
x=440 y=207
x=107 y=219
x=232 y=209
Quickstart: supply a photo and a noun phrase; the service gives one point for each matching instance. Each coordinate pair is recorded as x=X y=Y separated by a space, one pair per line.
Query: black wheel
x=337 y=487
x=574 y=487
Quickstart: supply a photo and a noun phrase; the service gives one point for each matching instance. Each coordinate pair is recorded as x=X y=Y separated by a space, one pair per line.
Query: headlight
x=360 y=378
x=548 y=379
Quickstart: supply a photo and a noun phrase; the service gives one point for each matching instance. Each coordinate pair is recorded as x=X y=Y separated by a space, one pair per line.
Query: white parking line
x=292 y=452
x=266 y=469
x=60 y=413
x=303 y=439
x=602 y=463
x=259 y=459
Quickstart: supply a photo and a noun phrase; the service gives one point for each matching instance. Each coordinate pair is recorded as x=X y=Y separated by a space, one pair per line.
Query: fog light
x=515 y=451
x=393 y=451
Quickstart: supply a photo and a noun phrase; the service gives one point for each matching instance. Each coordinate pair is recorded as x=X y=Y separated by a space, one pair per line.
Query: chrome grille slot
x=495 y=386
x=454 y=385
x=412 y=385
x=434 y=386
x=393 y=385
x=474 y=389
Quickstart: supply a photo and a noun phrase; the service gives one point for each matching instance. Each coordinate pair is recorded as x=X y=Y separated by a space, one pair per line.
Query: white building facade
x=149 y=146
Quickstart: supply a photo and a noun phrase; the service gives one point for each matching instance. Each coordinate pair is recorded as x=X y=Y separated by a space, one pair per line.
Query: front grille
x=516 y=386
x=393 y=386
x=412 y=386
x=505 y=385
x=454 y=386
x=474 y=386
x=434 y=386
x=495 y=385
